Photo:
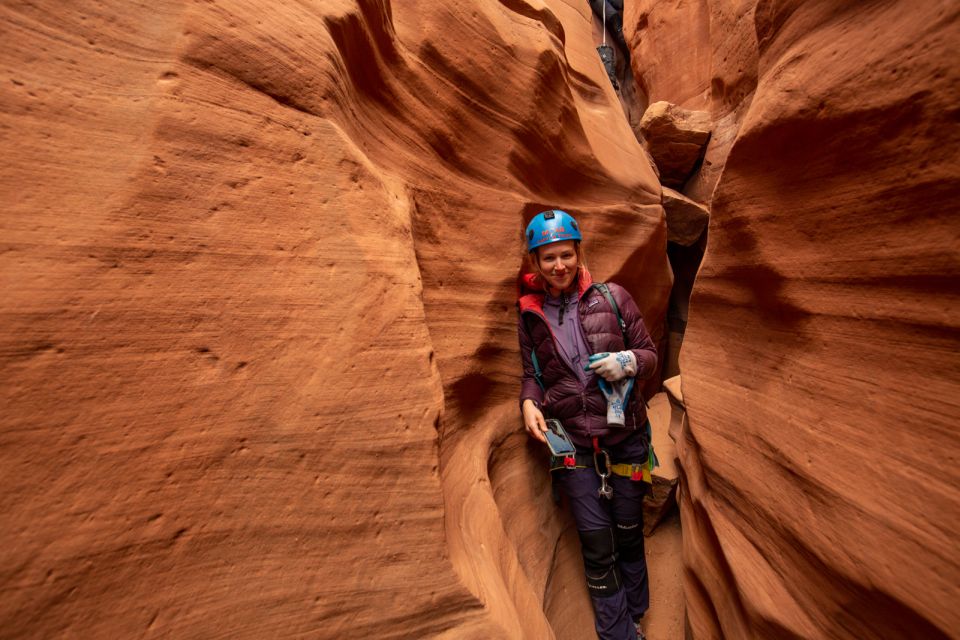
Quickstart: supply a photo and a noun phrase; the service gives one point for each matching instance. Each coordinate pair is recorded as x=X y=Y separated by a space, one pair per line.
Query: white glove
x=614 y=366
x=617 y=395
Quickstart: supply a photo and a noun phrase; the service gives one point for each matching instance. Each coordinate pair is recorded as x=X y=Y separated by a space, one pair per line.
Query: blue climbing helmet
x=551 y=226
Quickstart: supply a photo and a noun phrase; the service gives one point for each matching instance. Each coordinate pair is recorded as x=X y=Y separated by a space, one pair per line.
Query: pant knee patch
x=600 y=562
x=629 y=540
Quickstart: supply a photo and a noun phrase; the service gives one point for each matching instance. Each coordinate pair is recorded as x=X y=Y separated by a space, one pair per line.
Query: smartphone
x=557 y=439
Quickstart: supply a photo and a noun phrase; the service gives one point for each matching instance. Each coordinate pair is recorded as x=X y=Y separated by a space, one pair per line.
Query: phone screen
x=559 y=446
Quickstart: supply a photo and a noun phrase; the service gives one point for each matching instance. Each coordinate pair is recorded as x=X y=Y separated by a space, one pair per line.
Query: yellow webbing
x=627 y=470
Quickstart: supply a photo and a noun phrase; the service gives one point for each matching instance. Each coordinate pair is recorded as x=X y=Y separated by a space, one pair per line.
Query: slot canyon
x=258 y=333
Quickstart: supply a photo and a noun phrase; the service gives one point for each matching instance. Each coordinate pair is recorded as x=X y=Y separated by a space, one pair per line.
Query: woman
x=570 y=336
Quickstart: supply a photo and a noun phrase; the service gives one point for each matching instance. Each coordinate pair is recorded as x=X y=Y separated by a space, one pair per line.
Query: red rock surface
x=661 y=501
x=258 y=342
x=258 y=349
x=676 y=139
x=700 y=56
x=670 y=47
x=820 y=368
x=686 y=219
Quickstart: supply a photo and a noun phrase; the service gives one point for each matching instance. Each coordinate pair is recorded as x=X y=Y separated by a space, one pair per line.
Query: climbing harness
x=638 y=472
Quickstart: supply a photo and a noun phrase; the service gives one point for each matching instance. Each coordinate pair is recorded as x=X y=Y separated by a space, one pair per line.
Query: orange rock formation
x=820 y=365
x=259 y=349
x=258 y=340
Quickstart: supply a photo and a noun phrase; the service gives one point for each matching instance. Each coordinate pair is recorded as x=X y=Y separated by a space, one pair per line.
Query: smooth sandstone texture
x=700 y=56
x=670 y=47
x=258 y=342
x=820 y=364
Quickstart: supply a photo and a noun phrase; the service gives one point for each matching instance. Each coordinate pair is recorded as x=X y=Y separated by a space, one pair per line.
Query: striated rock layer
x=820 y=364
x=258 y=343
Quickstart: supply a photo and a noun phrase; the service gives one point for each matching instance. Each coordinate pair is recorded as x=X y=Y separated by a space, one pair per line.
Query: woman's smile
x=558 y=264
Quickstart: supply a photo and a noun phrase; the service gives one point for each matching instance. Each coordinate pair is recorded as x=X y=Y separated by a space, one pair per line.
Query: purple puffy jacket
x=583 y=411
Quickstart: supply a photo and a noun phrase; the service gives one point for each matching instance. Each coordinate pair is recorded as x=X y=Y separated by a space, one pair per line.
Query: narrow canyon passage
x=258 y=334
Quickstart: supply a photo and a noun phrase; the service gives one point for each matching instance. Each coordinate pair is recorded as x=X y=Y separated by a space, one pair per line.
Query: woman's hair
x=533 y=264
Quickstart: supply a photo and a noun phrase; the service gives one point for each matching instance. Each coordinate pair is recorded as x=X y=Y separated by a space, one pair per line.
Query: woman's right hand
x=533 y=420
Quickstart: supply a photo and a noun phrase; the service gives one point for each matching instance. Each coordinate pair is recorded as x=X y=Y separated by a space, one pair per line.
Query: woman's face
x=558 y=263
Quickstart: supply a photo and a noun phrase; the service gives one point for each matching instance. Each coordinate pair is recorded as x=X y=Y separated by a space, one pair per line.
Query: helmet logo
x=549 y=215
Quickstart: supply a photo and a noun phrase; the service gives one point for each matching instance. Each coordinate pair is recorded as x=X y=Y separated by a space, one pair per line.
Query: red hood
x=530 y=289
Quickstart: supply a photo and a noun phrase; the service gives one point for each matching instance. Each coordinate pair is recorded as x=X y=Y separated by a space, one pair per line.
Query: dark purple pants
x=620 y=519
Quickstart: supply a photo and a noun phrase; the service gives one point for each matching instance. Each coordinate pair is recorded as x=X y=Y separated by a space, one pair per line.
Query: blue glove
x=621 y=367
x=617 y=395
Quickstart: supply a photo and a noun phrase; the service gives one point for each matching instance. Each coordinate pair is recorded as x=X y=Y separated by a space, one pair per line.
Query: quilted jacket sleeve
x=638 y=338
x=529 y=388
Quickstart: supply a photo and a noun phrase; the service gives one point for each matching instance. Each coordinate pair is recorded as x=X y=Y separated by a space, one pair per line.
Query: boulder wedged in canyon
x=259 y=351
x=700 y=57
x=820 y=369
x=676 y=139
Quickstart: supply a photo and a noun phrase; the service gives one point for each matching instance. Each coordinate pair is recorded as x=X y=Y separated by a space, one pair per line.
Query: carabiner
x=605 y=490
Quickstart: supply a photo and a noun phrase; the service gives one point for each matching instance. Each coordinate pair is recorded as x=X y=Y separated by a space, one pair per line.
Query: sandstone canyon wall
x=820 y=366
x=258 y=351
x=258 y=347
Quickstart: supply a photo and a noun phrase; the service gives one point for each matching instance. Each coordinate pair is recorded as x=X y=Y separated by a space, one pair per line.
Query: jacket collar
x=530 y=290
